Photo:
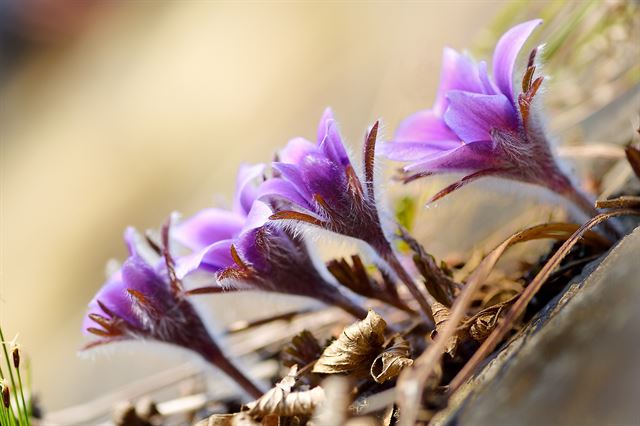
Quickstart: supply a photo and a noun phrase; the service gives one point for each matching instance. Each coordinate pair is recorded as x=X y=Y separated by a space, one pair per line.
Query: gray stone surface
x=578 y=363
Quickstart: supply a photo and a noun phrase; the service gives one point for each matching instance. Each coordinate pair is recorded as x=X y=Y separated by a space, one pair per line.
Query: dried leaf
x=483 y=323
x=355 y=349
x=356 y=278
x=521 y=303
x=282 y=401
x=389 y=363
x=438 y=283
x=335 y=410
x=236 y=419
x=302 y=350
x=412 y=380
x=633 y=156
x=441 y=316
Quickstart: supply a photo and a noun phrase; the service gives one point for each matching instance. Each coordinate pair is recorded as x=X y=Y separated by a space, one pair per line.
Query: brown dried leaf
x=438 y=283
x=355 y=349
x=355 y=277
x=302 y=350
x=389 y=363
x=237 y=419
x=281 y=401
x=441 y=316
x=483 y=323
x=633 y=156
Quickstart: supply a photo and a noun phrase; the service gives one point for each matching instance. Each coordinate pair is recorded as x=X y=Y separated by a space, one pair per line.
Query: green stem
x=24 y=404
x=13 y=382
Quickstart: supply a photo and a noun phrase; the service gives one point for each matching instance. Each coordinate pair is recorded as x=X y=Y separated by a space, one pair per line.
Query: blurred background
x=117 y=113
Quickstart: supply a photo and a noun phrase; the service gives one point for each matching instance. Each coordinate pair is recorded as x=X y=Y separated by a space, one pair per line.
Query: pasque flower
x=246 y=252
x=139 y=302
x=482 y=125
x=322 y=189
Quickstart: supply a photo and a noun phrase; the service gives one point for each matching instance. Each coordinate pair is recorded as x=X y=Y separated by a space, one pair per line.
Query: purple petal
x=295 y=150
x=466 y=157
x=472 y=116
x=327 y=117
x=258 y=216
x=213 y=258
x=332 y=145
x=415 y=151
x=246 y=187
x=292 y=174
x=423 y=126
x=459 y=72
x=489 y=87
x=207 y=227
x=506 y=52
x=114 y=296
x=281 y=188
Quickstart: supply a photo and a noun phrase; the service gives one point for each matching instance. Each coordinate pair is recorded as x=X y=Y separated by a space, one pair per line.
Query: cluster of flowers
x=478 y=125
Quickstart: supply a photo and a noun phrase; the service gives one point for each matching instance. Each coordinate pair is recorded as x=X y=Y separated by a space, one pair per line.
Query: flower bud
x=5 y=393
x=15 y=352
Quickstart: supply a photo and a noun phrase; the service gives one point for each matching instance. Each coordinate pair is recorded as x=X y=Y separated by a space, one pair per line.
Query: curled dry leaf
x=282 y=401
x=355 y=349
x=389 y=363
x=236 y=419
x=441 y=316
x=483 y=323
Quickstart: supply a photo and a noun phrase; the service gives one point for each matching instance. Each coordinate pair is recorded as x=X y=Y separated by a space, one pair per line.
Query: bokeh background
x=116 y=114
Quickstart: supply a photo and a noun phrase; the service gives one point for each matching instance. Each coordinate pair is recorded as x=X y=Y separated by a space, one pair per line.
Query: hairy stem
x=587 y=205
x=337 y=298
x=391 y=259
x=217 y=358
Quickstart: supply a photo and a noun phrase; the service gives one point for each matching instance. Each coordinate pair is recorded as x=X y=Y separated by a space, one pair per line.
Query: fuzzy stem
x=387 y=254
x=587 y=206
x=217 y=358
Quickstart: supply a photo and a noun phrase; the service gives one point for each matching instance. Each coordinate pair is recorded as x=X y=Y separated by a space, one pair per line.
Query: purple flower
x=138 y=302
x=246 y=252
x=480 y=126
x=320 y=187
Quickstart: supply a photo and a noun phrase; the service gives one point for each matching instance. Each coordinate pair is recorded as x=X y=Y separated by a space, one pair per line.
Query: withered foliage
x=355 y=349
x=392 y=360
x=282 y=401
x=355 y=277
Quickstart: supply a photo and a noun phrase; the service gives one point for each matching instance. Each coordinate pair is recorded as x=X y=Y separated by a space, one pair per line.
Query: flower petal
x=277 y=187
x=327 y=117
x=423 y=126
x=295 y=150
x=459 y=72
x=466 y=157
x=415 y=151
x=246 y=187
x=292 y=174
x=506 y=52
x=213 y=258
x=472 y=116
x=208 y=226
x=332 y=145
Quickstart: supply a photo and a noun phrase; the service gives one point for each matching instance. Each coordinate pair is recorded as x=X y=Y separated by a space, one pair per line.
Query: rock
x=576 y=363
